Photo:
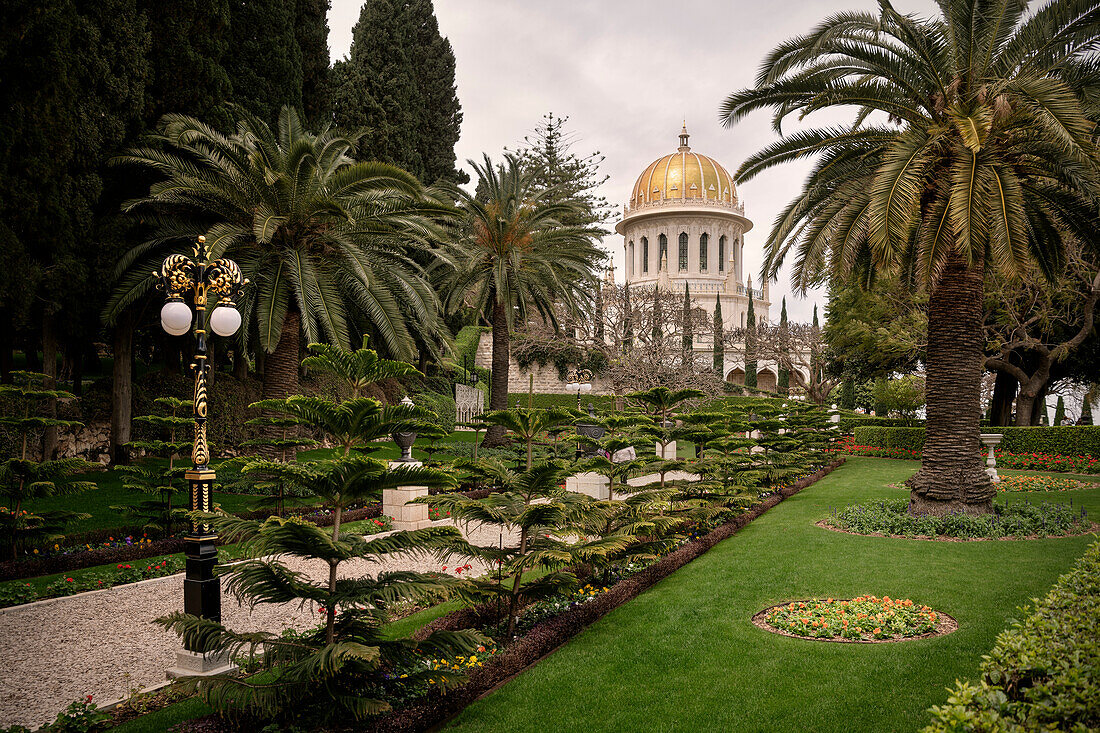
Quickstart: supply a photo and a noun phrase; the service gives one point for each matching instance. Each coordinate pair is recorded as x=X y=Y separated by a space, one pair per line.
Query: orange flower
x=877 y=630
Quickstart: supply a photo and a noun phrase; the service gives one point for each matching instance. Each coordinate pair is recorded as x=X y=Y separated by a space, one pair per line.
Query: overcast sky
x=627 y=75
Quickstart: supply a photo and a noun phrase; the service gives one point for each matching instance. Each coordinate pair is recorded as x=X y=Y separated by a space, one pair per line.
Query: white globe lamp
x=175 y=318
x=225 y=320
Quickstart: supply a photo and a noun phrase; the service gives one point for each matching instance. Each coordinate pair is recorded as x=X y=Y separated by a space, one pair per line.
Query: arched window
x=703 y=252
x=645 y=255
x=683 y=251
x=630 y=259
x=662 y=249
x=722 y=253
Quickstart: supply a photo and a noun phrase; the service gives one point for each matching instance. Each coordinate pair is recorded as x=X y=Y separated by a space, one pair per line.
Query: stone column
x=395 y=501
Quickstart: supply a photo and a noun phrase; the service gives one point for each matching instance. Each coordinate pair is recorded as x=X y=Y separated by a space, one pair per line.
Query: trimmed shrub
x=850 y=423
x=441 y=404
x=1044 y=672
x=1076 y=440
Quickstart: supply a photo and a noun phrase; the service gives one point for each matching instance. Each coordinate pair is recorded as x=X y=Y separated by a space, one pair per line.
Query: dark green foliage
x=398 y=85
x=263 y=59
x=750 y=361
x=311 y=33
x=687 y=340
x=185 y=63
x=719 y=339
x=1041 y=675
x=628 y=320
x=1079 y=440
x=1019 y=519
x=548 y=155
x=847 y=394
x=1060 y=411
x=442 y=407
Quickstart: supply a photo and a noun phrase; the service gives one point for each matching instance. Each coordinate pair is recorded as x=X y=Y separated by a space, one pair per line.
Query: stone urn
x=991 y=441
x=405 y=440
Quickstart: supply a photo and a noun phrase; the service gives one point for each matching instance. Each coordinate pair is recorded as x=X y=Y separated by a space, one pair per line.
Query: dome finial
x=684 y=147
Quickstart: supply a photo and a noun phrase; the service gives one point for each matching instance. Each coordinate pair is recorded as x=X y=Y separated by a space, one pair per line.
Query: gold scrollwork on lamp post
x=202 y=279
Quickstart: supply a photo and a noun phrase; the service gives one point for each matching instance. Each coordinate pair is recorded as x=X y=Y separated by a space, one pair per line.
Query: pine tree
x=311 y=34
x=599 y=314
x=263 y=59
x=439 y=118
x=719 y=339
x=548 y=155
x=375 y=88
x=783 y=381
x=1060 y=411
x=687 y=339
x=750 y=346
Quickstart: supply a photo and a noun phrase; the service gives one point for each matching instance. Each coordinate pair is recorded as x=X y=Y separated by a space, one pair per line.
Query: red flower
x=68 y=580
x=88 y=698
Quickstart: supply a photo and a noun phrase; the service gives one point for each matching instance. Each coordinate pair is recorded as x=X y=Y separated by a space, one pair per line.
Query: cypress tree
x=750 y=346
x=186 y=74
x=1060 y=411
x=599 y=313
x=311 y=34
x=628 y=321
x=783 y=380
x=1086 y=409
x=848 y=394
x=719 y=338
x=263 y=60
x=439 y=117
x=375 y=90
x=687 y=338
x=656 y=332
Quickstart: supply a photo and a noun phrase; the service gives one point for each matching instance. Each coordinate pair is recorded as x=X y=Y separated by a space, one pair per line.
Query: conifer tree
x=375 y=89
x=783 y=381
x=439 y=117
x=719 y=339
x=548 y=155
x=157 y=481
x=264 y=60
x=311 y=34
x=1060 y=411
x=656 y=333
x=628 y=321
x=750 y=346
x=687 y=339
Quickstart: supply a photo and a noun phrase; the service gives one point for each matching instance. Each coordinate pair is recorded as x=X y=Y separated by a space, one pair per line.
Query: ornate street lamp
x=201 y=278
x=580 y=381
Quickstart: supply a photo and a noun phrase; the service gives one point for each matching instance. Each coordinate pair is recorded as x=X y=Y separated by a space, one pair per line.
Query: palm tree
x=971 y=148
x=327 y=242
x=514 y=259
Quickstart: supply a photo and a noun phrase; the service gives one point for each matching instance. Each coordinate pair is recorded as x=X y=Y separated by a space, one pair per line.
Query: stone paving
x=104 y=644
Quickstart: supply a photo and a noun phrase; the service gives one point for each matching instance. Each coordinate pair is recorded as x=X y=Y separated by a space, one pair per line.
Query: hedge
x=1044 y=672
x=850 y=423
x=1076 y=440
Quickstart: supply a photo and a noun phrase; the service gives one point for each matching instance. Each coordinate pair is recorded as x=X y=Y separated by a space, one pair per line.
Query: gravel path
x=104 y=644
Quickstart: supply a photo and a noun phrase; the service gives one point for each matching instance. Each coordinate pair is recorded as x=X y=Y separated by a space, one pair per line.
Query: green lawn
x=684 y=656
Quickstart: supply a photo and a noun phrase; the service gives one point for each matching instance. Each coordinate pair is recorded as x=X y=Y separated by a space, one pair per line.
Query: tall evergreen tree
x=750 y=346
x=186 y=74
x=548 y=155
x=375 y=89
x=783 y=381
x=687 y=337
x=439 y=118
x=311 y=34
x=628 y=320
x=1060 y=411
x=719 y=339
x=656 y=334
x=264 y=60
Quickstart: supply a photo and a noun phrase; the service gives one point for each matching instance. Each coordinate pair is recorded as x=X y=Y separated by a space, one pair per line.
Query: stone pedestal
x=669 y=453
x=593 y=484
x=395 y=501
x=991 y=441
x=193 y=664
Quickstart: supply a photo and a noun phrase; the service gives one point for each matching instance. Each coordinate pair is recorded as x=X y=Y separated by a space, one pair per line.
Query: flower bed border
x=944 y=626
x=548 y=635
x=824 y=524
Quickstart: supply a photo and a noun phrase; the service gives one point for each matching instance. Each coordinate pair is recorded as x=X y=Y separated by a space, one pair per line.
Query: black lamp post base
x=202 y=594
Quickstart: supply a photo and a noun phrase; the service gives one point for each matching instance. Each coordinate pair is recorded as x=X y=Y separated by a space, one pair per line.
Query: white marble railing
x=737 y=208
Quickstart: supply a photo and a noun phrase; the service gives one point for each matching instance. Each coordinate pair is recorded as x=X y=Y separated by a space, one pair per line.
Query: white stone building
x=685 y=224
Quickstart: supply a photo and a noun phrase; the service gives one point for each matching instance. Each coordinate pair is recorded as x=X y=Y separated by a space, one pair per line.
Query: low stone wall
x=546 y=377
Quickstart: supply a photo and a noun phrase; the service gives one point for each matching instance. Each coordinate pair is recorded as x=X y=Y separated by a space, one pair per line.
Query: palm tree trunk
x=281 y=374
x=951 y=478
x=502 y=357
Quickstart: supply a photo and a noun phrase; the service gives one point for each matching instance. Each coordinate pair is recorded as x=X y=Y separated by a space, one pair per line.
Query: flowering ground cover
x=1005 y=460
x=866 y=618
x=685 y=656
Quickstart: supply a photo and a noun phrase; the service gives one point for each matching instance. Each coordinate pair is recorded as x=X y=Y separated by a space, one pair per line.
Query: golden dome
x=684 y=175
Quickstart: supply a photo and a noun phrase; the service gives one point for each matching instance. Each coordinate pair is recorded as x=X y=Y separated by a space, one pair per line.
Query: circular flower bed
x=1019 y=520
x=1042 y=483
x=867 y=618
